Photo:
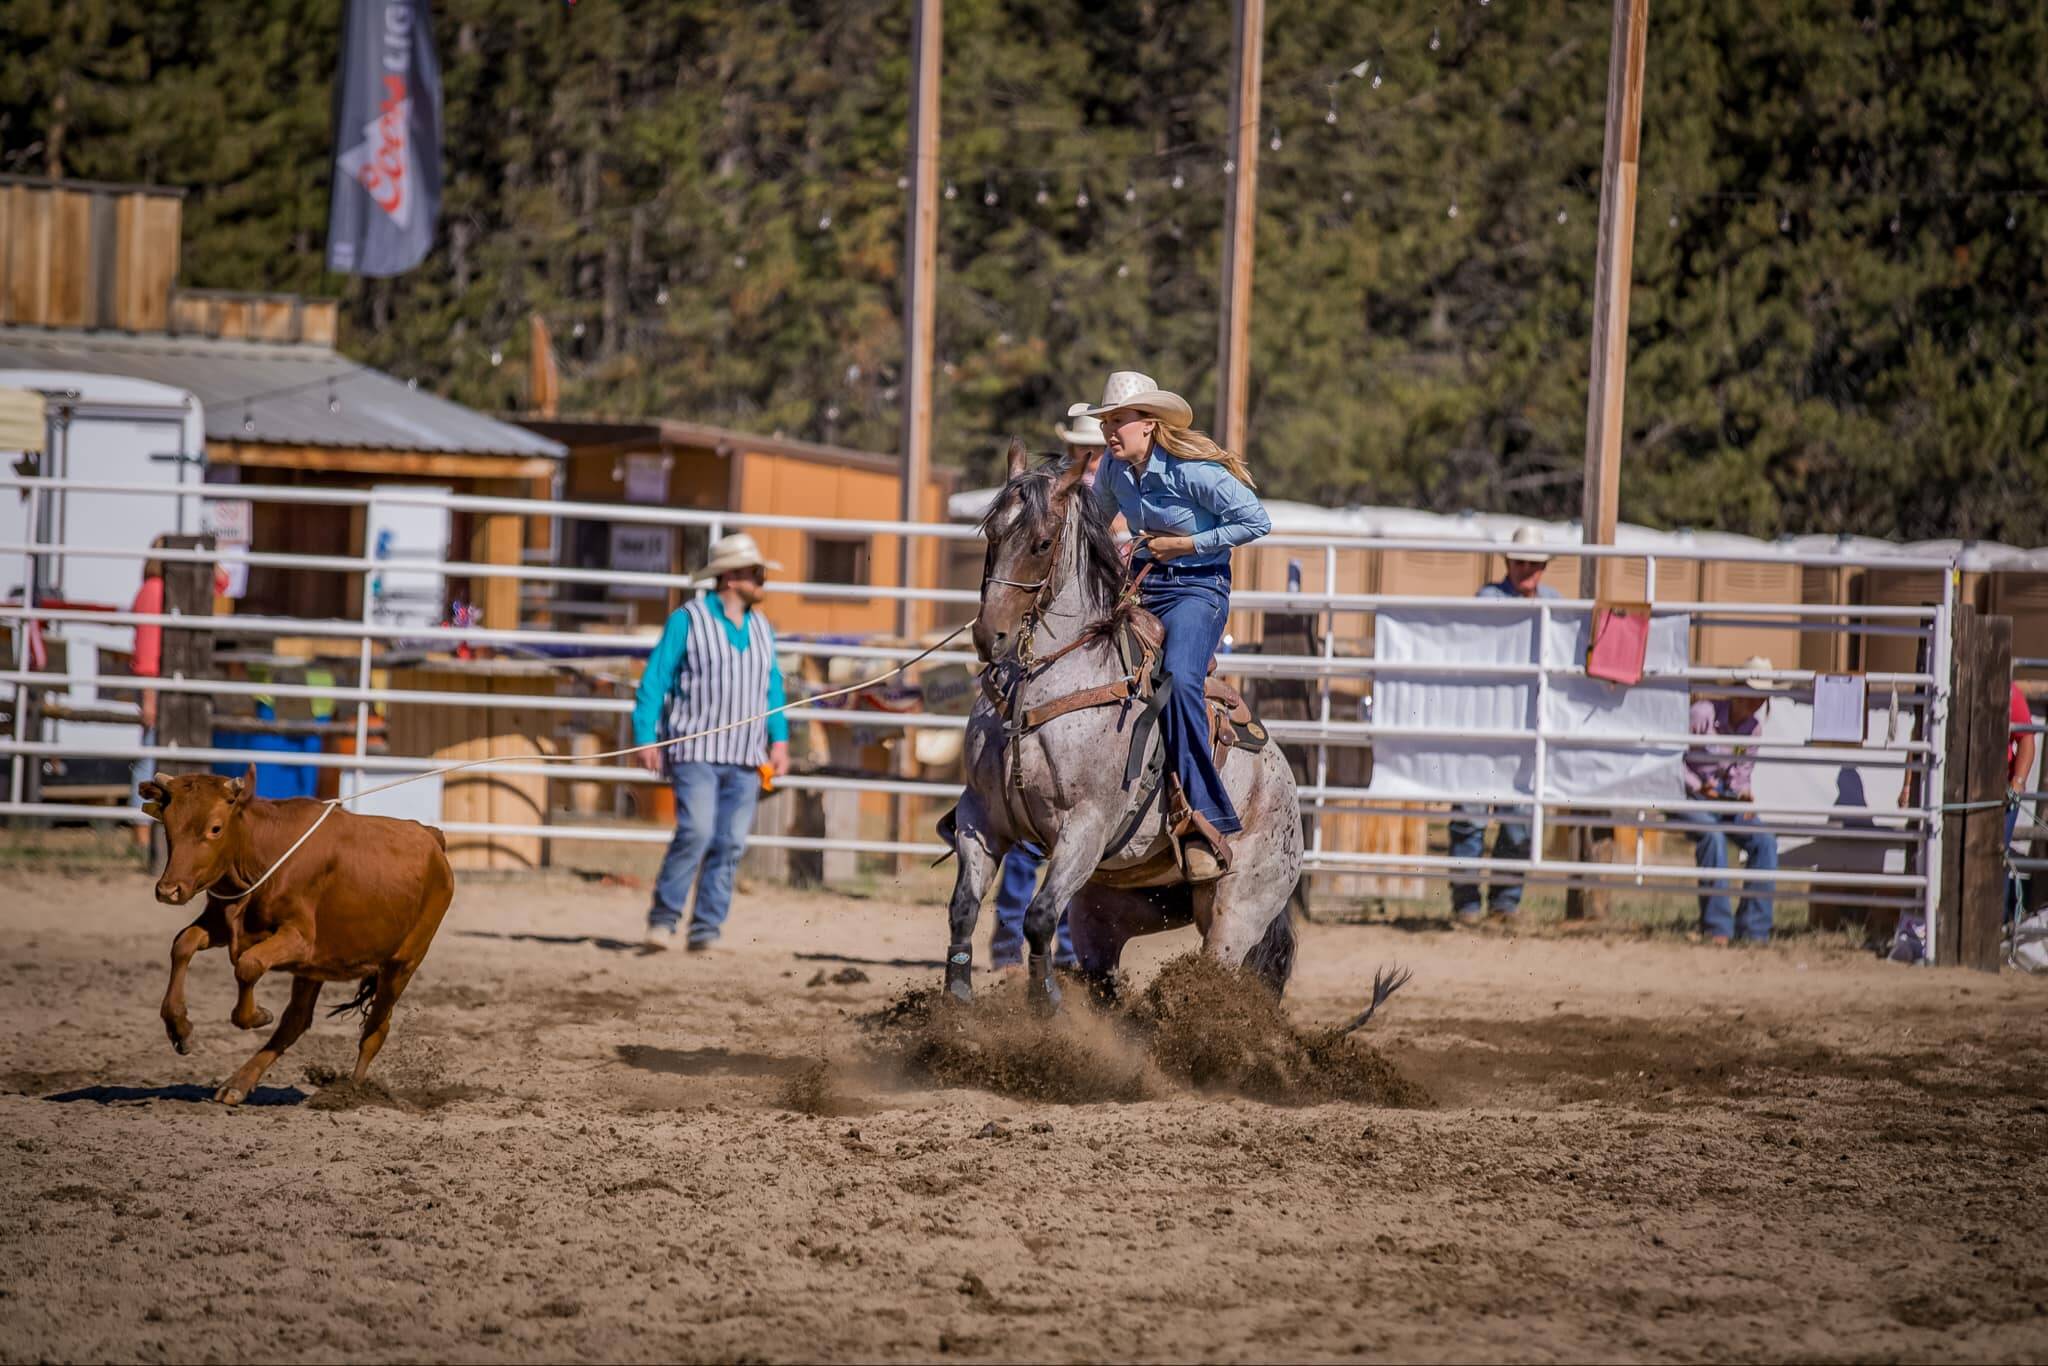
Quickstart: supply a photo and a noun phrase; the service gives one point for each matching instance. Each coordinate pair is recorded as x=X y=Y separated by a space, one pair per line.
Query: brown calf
x=360 y=900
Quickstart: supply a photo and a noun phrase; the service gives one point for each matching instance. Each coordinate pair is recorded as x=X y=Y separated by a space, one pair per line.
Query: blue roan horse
x=1051 y=633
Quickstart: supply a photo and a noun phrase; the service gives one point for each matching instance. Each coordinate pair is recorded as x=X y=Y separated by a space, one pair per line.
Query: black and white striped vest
x=717 y=684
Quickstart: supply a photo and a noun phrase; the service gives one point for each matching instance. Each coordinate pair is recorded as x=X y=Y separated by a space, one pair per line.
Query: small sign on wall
x=647 y=478
x=637 y=549
x=232 y=523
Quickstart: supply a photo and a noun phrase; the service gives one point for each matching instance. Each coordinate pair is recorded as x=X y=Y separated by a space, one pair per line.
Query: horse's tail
x=1272 y=958
x=360 y=1001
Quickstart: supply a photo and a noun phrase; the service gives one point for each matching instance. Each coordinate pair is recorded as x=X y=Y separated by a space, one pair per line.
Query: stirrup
x=1189 y=828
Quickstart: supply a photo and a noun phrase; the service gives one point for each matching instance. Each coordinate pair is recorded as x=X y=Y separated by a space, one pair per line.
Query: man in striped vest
x=710 y=679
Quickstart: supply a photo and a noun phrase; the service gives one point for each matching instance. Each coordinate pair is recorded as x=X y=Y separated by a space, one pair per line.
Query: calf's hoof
x=230 y=1094
x=179 y=1028
x=255 y=1019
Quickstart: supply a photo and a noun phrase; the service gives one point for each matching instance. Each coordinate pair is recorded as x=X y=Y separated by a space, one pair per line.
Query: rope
x=331 y=803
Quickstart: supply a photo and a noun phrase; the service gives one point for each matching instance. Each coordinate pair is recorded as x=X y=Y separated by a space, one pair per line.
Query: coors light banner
x=387 y=163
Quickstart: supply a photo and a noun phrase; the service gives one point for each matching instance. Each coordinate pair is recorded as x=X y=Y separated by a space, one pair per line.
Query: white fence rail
x=1922 y=694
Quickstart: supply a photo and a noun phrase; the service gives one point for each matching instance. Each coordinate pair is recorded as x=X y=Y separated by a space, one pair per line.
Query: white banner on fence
x=1504 y=769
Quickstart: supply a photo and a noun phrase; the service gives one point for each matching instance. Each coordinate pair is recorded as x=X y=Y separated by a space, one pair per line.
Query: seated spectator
x=1722 y=773
x=2019 y=765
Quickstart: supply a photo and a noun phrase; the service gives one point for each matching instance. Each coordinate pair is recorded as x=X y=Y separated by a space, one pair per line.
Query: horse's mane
x=1102 y=568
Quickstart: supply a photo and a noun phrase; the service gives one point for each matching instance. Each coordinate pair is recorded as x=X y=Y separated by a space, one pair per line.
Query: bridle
x=1042 y=590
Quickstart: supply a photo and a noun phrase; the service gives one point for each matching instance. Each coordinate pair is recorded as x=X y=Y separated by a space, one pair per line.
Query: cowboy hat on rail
x=1080 y=429
x=728 y=553
x=1129 y=389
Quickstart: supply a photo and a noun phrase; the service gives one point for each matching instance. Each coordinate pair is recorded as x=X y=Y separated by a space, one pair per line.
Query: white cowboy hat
x=1129 y=389
x=1084 y=431
x=736 y=551
x=1527 y=536
x=1757 y=664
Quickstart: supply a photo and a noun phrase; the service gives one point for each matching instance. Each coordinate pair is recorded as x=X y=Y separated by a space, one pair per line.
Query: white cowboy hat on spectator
x=1129 y=389
x=1761 y=664
x=1081 y=429
x=1527 y=536
x=736 y=551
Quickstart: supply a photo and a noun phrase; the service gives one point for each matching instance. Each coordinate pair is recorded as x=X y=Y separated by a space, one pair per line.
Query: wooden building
x=88 y=284
x=670 y=463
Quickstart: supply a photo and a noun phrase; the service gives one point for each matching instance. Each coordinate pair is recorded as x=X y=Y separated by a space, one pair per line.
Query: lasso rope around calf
x=330 y=804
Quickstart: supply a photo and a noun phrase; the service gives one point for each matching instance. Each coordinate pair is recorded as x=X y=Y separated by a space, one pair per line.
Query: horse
x=1050 y=635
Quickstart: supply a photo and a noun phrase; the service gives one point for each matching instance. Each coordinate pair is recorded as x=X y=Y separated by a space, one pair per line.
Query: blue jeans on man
x=1017 y=885
x=1468 y=840
x=1712 y=832
x=714 y=811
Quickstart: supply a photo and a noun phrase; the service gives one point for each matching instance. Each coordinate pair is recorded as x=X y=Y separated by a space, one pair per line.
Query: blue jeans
x=1194 y=607
x=1468 y=840
x=714 y=810
x=1013 y=897
x=1712 y=833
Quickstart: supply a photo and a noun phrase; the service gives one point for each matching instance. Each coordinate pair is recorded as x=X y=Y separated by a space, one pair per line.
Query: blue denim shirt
x=1177 y=497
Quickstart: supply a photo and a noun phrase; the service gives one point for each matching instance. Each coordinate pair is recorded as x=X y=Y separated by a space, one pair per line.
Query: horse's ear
x=1020 y=459
x=1070 y=477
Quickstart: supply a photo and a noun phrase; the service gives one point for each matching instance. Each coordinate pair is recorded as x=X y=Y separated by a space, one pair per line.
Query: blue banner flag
x=387 y=160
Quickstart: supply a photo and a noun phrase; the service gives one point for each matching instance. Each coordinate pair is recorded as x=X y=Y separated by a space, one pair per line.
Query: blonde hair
x=1189 y=444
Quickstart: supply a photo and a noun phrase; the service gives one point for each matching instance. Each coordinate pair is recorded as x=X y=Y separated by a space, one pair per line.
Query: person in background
x=2019 y=764
x=1723 y=773
x=1526 y=563
x=1081 y=438
x=713 y=667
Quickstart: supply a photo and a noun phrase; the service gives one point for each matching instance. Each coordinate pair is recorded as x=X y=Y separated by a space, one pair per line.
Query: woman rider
x=1188 y=503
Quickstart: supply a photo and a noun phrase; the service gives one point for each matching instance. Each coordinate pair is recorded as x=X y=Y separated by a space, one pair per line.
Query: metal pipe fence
x=1920 y=696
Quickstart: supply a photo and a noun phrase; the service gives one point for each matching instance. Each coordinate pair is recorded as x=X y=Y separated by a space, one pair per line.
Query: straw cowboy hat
x=1757 y=664
x=1129 y=389
x=1081 y=429
x=1527 y=536
x=736 y=551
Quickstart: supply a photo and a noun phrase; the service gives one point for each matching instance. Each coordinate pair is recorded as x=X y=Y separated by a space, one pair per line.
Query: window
x=838 y=559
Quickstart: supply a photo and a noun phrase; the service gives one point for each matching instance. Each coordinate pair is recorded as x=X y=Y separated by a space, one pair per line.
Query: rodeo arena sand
x=1544 y=1147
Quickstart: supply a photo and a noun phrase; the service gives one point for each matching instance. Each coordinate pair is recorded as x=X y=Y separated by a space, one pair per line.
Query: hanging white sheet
x=1484 y=748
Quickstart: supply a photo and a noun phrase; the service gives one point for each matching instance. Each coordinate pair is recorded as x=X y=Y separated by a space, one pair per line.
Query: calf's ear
x=154 y=794
x=241 y=789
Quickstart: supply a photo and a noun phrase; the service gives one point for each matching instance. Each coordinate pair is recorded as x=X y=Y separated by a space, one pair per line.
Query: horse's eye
x=1045 y=545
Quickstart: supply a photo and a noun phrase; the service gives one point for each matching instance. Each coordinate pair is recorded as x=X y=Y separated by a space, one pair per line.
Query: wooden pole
x=920 y=268
x=1619 y=159
x=1618 y=166
x=1985 y=676
x=1240 y=218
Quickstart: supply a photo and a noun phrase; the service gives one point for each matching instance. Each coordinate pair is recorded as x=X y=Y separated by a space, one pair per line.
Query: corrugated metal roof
x=253 y=391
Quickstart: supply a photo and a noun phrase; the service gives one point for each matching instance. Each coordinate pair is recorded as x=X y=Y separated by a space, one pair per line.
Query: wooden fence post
x=1955 y=780
x=1981 y=923
x=185 y=719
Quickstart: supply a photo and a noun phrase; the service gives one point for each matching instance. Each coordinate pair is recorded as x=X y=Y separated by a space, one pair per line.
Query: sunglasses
x=754 y=575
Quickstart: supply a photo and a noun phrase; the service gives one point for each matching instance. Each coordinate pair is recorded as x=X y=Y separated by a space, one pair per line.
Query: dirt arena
x=1630 y=1149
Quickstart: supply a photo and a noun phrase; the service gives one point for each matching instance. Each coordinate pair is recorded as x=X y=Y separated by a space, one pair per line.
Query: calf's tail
x=361 y=1000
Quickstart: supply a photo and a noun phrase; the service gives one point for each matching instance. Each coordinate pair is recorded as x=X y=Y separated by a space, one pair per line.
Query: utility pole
x=1618 y=168
x=1619 y=160
x=920 y=268
x=1240 y=218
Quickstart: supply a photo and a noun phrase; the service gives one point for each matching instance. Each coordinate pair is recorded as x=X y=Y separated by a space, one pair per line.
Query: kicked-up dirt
x=1542 y=1148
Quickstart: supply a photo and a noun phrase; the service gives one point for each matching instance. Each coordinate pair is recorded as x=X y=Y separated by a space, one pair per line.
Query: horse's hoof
x=1045 y=988
x=960 y=993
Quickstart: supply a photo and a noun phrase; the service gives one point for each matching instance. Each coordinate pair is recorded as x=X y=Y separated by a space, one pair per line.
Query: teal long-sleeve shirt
x=660 y=675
